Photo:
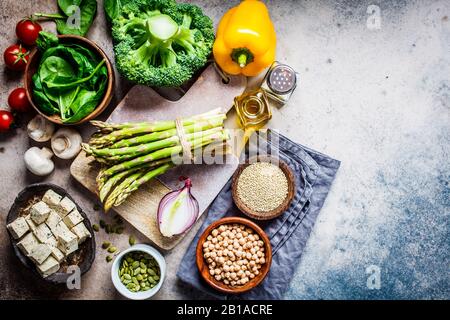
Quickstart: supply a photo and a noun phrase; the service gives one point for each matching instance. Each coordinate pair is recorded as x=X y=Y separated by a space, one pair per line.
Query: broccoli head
x=161 y=43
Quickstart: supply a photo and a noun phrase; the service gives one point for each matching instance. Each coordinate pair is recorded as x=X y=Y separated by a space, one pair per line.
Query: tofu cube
x=81 y=232
x=67 y=241
x=73 y=218
x=42 y=232
x=27 y=243
x=40 y=252
x=52 y=241
x=18 y=227
x=39 y=212
x=57 y=254
x=65 y=206
x=30 y=222
x=52 y=199
x=48 y=267
x=53 y=220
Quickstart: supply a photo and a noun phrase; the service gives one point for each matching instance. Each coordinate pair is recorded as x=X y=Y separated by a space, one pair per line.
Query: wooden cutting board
x=143 y=103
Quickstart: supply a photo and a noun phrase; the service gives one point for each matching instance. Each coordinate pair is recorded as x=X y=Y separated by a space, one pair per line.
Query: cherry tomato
x=27 y=31
x=18 y=100
x=6 y=120
x=16 y=57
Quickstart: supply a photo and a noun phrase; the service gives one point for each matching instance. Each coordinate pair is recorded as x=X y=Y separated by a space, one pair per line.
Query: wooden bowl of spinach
x=68 y=79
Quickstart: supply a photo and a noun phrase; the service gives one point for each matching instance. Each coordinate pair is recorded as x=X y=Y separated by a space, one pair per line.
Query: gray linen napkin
x=314 y=173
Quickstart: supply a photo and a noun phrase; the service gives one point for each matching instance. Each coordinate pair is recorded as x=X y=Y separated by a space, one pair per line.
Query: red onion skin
x=173 y=195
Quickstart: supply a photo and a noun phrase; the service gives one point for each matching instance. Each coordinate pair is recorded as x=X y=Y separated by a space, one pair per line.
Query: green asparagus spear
x=120 y=188
x=139 y=182
x=163 y=153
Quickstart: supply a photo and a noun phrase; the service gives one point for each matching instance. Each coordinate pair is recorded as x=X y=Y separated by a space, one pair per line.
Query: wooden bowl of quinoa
x=263 y=187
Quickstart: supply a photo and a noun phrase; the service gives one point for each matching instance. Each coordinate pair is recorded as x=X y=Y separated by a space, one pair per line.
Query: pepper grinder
x=280 y=82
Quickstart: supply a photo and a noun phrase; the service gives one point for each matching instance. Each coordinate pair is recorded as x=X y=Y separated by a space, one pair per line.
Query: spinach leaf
x=64 y=5
x=112 y=8
x=88 y=10
x=46 y=40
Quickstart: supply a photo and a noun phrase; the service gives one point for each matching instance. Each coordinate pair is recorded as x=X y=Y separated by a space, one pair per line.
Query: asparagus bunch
x=134 y=153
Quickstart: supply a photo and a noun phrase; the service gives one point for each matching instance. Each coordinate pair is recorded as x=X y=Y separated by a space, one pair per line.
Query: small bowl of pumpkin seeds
x=138 y=272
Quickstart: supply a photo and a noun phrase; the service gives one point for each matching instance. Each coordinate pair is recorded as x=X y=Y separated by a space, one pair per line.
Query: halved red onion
x=177 y=211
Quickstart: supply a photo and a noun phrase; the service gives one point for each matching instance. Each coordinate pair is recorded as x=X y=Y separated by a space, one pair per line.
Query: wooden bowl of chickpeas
x=233 y=255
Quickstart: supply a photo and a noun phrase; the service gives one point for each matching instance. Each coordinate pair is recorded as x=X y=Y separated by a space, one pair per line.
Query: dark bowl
x=33 y=64
x=83 y=257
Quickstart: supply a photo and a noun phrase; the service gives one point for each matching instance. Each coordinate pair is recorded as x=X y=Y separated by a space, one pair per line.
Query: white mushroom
x=38 y=161
x=66 y=143
x=40 y=129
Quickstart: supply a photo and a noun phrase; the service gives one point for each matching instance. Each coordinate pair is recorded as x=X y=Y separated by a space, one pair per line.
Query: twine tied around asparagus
x=185 y=144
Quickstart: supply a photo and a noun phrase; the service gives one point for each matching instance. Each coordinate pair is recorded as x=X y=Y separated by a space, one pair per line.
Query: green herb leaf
x=112 y=8
x=88 y=10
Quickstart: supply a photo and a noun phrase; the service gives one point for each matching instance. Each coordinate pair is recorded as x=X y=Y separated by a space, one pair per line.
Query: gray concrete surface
x=375 y=98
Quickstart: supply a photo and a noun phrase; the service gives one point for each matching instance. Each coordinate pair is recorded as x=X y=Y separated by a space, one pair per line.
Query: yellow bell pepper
x=246 y=40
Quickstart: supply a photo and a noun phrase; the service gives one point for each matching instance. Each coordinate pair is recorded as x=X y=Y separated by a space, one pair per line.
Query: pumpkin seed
x=112 y=249
x=106 y=244
x=96 y=227
x=108 y=258
x=127 y=276
x=132 y=240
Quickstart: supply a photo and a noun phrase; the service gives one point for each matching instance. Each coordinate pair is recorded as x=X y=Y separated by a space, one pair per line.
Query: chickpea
x=211 y=247
x=209 y=238
x=217 y=271
x=227 y=274
x=248 y=255
x=255 y=269
x=251 y=275
x=215 y=232
x=242 y=241
x=233 y=283
x=232 y=236
x=209 y=260
x=218 y=277
x=237 y=268
x=211 y=272
x=232 y=268
x=206 y=250
x=245 y=234
x=252 y=251
x=262 y=261
x=221 y=260
x=256 y=272
x=226 y=281
x=244 y=268
x=254 y=257
x=213 y=263
x=239 y=262
x=222 y=228
x=233 y=275
x=251 y=238
x=229 y=262
x=220 y=238
x=213 y=254
x=252 y=263
x=247 y=273
x=238 y=282
x=261 y=244
x=214 y=240
x=230 y=247
x=239 y=253
x=205 y=244
x=226 y=268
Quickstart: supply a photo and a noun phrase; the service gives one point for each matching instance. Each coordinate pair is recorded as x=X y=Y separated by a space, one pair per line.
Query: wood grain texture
x=203 y=267
x=144 y=104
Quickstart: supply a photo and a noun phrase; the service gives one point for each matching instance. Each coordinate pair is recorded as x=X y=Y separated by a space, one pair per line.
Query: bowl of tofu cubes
x=49 y=232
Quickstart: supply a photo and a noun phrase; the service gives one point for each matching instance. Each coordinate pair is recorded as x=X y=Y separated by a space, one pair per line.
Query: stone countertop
x=373 y=93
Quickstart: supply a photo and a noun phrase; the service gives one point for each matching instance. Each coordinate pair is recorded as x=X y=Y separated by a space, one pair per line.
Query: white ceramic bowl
x=142 y=295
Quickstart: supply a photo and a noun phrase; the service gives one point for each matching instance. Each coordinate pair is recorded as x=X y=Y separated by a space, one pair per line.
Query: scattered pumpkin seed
x=102 y=223
x=95 y=227
x=106 y=244
x=132 y=240
x=112 y=249
x=108 y=258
